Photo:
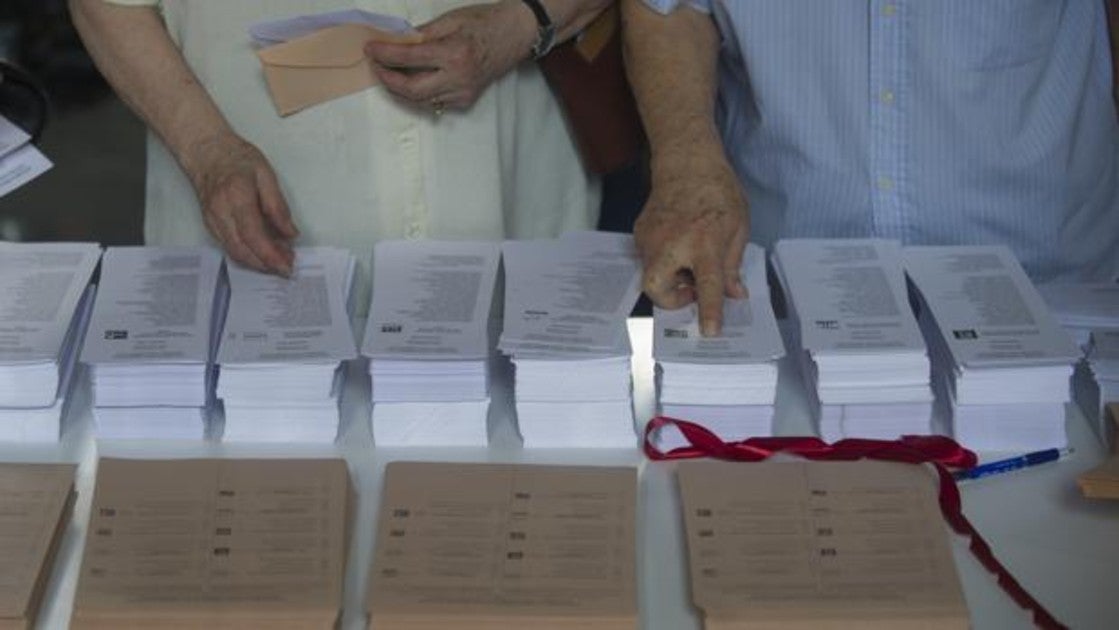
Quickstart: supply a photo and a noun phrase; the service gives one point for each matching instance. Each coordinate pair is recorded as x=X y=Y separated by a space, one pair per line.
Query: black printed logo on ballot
x=392 y=328
x=116 y=335
x=827 y=324
x=675 y=333
x=969 y=333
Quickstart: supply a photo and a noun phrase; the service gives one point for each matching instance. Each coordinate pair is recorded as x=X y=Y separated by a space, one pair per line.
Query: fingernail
x=708 y=328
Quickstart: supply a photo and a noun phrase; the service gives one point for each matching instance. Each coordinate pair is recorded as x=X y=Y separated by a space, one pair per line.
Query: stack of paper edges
x=726 y=383
x=36 y=501
x=428 y=338
x=283 y=353
x=45 y=300
x=1000 y=361
x=154 y=333
x=1096 y=380
x=862 y=357
x=566 y=303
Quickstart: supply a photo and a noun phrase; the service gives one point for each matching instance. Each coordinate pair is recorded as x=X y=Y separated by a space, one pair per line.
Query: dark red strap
x=941 y=452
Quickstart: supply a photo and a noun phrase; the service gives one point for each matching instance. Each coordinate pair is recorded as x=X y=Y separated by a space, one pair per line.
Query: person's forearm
x=671 y=63
x=132 y=48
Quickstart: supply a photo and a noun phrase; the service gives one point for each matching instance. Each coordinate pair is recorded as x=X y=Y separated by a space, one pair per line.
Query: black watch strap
x=546 y=29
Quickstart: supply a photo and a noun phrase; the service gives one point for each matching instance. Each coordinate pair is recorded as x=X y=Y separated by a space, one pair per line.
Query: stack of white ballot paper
x=1000 y=360
x=862 y=356
x=1089 y=311
x=283 y=353
x=1083 y=307
x=20 y=161
x=1096 y=380
x=428 y=339
x=153 y=335
x=566 y=304
x=726 y=383
x=45 y=299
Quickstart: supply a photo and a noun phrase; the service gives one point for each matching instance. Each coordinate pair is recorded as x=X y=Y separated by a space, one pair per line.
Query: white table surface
x=1061 y=547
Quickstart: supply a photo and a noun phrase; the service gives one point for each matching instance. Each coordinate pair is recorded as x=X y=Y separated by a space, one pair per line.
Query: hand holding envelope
x=463 y=51
x=321 y=58
x=447 y=62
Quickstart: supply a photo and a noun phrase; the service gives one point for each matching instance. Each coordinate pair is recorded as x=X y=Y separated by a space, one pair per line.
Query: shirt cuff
x=665 y=7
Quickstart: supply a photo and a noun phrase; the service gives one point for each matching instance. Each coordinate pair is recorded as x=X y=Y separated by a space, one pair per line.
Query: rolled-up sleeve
x=668 y=6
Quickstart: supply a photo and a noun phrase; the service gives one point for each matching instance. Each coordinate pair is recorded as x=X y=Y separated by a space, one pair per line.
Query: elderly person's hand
x=691 y=235
x=242 y=205
x=462 y=52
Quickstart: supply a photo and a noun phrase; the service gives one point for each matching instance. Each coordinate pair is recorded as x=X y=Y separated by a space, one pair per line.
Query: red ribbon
x=941 y=452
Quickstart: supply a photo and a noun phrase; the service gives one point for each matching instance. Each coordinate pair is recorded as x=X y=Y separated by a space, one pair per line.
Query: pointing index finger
x=709 y=283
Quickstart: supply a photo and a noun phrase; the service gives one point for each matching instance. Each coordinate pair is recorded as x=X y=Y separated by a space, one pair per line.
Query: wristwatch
x=545 y=30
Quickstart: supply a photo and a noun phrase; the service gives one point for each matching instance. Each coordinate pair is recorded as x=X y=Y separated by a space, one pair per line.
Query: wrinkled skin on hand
x=242 y=205
x=690 y=235
x=462 y=52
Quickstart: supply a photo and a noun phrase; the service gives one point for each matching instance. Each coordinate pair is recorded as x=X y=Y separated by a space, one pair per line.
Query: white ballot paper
x=20 y=161
x=989 y=311
x=11 y=137
x=860 y=344
x=298 y=319
x=1096 y=380
x=1082 y=307
x=726 y=383
x=565 y=307
x=850 y=296
x=999 y=356
x=569 y=295
x=431 y=300
x=566 y=304
x=43 y=424
x=154 y=305
x=749 y=334
x=41 y=285
x=272 y=32
x=153 y=335
x=429 y=340
x=283 y=350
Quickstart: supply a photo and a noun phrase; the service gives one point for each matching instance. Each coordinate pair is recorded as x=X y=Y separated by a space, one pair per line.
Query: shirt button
x=887 y=97
x=889 y=10
x=885 y=184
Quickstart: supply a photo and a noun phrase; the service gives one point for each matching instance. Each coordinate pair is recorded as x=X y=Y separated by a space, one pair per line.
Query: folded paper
x=324 y=65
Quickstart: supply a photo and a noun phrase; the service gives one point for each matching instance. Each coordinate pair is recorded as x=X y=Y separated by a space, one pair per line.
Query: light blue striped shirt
x=953 y=121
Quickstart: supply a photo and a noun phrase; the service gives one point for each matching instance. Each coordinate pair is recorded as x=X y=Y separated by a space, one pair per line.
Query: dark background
x=96 y=189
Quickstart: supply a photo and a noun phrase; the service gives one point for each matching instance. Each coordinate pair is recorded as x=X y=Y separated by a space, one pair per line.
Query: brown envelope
x=324 y=65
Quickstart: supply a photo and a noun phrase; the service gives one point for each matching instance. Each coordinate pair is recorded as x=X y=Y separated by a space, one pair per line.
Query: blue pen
x=1014 y=463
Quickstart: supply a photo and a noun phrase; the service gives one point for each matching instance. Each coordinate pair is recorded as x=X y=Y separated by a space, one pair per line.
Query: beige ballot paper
x=311 y=59
x=35 y=505
x=504 y=546
x=818 y=545
x=215 y=543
